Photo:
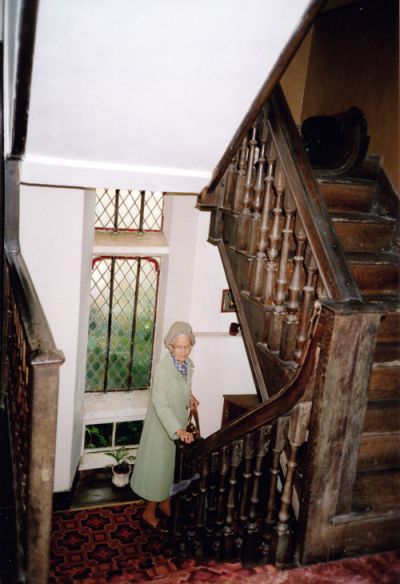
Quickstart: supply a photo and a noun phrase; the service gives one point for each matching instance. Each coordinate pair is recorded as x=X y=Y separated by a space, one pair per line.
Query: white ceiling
x=146 y=93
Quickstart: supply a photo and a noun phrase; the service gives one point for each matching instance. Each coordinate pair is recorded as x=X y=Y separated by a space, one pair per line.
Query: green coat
x=168 y=411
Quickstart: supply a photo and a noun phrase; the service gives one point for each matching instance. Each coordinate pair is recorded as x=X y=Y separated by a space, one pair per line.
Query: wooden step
x=382 y=417
x=384 y=383
x=376 y=273
x=379 y=451
x=348 y=196
x=367 y=532
x=387 y=355
x=360 y=232
x=377 y=491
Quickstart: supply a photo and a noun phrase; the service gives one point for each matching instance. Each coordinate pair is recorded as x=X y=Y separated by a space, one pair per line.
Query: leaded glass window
x=121 y=323
x=129 y=210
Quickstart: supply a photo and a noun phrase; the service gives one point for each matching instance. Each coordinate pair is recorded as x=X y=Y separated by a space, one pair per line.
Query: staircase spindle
x=248 y=455
x=237 y=202
x=275 y=236
x=258 y=265
x=298 y=425
x=258 y=193
x=307 y=303
x=243 y=221
x=221 y=498
x=279 y=441
x=251 y=531
x=289 y=330
x=201 y=508
x=211 y=511
x=229 y=534
x=230 y=183
x=275 y=329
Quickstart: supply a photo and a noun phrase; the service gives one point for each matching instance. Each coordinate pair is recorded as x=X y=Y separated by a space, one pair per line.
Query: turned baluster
x=297 y=434
x=258 y=194
x=229 y=535
x=221 y=499
x=307 y=303
x=201 y=508
x=289 y=330
x=248 y=455
x=211 y=506
x=262 y=446
x=275 y=235
x=192 y=510
x=237 y=202
x=275 y=329
x=258 y=265
x=279 y=441
x=243 y=222
x=230 y=183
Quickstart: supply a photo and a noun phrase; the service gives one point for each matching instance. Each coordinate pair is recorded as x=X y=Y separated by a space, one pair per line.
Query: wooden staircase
x=367 y=228
x=313 y=263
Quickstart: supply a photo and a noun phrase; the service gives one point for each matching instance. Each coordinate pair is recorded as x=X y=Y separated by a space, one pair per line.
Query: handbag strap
x=194 y=415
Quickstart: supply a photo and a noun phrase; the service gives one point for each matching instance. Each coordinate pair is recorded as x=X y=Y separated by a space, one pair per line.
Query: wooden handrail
x=330 y=258
x=278 y=70
x=38 y=334
x=278 y=405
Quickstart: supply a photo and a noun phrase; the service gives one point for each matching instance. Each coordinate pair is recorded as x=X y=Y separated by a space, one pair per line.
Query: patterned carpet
x=109 y=544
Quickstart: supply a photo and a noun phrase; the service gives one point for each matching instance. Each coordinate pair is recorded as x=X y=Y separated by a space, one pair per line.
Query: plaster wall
x=146 y=93
x=56 y=231
x=57 y=243
x=354 y=61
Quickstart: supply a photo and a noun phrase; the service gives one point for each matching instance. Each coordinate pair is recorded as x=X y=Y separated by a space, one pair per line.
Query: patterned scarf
x=181 y=367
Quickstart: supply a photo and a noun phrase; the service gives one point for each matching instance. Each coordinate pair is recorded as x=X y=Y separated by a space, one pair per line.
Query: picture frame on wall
x=227 y=303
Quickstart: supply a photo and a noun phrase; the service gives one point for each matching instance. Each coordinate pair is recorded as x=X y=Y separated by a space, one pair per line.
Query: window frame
x=156 y=262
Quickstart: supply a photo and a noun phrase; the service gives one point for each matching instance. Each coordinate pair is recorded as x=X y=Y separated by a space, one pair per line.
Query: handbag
x=193 y=424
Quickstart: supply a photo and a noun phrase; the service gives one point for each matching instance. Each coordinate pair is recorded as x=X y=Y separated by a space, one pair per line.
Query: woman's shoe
x=162 y=514
x=157 y=528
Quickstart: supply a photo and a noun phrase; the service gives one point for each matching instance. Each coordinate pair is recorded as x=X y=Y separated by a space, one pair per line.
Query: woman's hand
x=194 y=402
x=185 y=436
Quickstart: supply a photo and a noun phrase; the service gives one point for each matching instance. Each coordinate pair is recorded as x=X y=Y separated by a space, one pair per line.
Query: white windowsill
x=120 y=406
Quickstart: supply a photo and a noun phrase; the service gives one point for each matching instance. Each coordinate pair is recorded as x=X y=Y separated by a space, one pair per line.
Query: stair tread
x=359 y=217
x=382 y=417
x=387 y=354
x=391 y=300
x=374 y=258
x=378 y=491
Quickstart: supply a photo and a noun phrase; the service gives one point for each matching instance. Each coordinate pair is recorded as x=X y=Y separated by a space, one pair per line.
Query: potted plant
x=122 y=469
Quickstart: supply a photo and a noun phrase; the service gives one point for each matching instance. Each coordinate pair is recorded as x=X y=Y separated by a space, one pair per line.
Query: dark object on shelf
x=336 y=145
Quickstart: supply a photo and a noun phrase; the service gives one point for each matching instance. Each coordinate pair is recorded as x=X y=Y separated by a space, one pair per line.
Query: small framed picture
x=227 y=304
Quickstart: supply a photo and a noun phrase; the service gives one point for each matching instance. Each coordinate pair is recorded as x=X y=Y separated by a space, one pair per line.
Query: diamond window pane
x=129 y=210
x=121 y=325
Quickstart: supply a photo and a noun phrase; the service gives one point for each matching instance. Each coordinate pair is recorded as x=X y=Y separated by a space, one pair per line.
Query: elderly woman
x=165 y=421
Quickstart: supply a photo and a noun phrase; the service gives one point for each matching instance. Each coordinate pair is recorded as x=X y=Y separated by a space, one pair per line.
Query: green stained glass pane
x=121 y=324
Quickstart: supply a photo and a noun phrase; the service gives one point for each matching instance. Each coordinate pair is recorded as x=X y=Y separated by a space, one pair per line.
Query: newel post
x=337 y=417
x=44 y=368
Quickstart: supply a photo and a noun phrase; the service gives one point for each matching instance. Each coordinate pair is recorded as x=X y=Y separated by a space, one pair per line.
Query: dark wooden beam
x=27 y=33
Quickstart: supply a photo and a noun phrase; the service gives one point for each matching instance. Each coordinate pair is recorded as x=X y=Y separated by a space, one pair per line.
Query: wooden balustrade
x=229 y=521
x=274 y=215
x=224 y=512
x=31 y=366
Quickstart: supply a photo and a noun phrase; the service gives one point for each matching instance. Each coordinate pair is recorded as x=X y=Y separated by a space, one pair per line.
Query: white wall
x=57 y=243
x=56 y=233
x=146 y=93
